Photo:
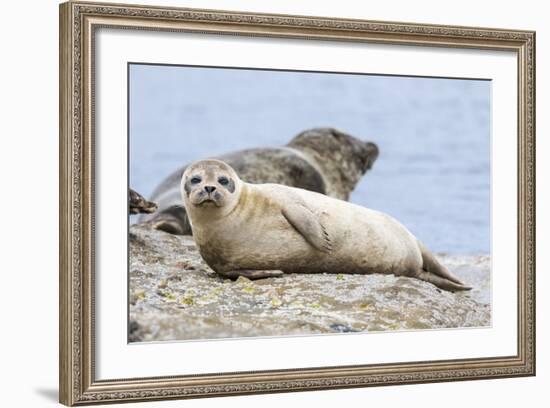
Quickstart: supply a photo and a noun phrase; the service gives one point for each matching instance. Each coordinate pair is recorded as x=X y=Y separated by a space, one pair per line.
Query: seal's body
x=269 y=229
x=323 y=160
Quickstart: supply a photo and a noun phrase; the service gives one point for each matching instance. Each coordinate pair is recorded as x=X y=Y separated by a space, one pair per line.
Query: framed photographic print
x=256 y=203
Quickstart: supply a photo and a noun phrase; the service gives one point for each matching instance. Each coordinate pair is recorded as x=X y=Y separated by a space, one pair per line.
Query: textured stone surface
x=174 y=295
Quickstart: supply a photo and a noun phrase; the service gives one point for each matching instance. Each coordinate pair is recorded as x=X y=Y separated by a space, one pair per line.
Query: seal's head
x=210 y=187
x=342 y=158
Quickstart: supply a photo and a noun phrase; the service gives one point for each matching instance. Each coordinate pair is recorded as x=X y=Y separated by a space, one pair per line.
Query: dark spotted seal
x=324 y=160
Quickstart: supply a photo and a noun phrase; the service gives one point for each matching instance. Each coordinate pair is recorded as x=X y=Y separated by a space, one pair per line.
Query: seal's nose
x=372 y=149
x=370 y=155
x=209 y=189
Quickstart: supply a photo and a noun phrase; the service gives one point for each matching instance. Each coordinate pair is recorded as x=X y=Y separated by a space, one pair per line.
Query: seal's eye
x=223 y=181
x=195 y=180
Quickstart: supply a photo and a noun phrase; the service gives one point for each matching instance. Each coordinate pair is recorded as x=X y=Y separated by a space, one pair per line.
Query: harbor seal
x=324 y=160
x=263 y=230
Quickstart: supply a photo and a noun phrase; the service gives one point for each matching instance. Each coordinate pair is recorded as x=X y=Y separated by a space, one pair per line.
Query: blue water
x=433 y=172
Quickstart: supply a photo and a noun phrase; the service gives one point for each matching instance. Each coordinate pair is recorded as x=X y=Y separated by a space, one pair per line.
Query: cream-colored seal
x=262 y=230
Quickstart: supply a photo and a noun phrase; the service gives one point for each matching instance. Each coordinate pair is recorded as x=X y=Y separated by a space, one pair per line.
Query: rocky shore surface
x=174 y=295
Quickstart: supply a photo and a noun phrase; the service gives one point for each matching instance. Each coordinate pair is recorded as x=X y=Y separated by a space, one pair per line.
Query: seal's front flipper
x=168 y=225
x=173 y=220
x=252 y=274
x=139 y=205
x=308 y=225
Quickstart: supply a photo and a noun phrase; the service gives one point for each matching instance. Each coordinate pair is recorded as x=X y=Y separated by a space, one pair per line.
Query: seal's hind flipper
x=139 y=205
x=431 y=264
x=440 y=282
x=434 y=272
x=308 y=225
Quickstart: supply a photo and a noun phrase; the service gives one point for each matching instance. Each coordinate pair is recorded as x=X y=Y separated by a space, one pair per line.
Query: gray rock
x=174 y=295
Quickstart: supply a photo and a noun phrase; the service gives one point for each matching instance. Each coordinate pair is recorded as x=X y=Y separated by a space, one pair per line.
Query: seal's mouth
x=208 y=202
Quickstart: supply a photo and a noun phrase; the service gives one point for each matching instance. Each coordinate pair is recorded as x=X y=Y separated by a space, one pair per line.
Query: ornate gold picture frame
x=78 y=24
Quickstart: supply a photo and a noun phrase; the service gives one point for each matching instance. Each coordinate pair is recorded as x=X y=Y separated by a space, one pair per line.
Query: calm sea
x=433 y=172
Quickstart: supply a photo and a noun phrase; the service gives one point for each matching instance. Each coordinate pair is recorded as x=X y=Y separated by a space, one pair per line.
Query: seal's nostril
x=209 y=189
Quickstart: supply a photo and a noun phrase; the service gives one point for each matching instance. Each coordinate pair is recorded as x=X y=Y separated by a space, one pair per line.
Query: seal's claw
x=252 y=274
